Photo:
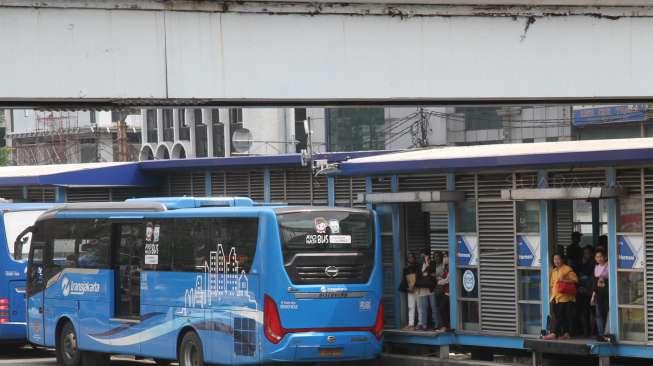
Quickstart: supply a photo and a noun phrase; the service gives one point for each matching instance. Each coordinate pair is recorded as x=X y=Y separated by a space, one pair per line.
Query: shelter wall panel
x=123 y=193
x=631 y=180
x=578 y=178
x=298 y=186
x=357 y=186
x=381 y=184
x=422 y=182
x=277 y=185
x=466 y=184
x=257 y=185
x=99 y=194
x=40 y=194
x=389 y=290
x=439 y=229
x=416 y=229
x=648 y=217
x=526 y=180
x=237 y=183
x=497 y=270
x=319 y=190
x=180 y=184
x=11 y=193
x=343 y=191
x=218 y=187
x=197 y=184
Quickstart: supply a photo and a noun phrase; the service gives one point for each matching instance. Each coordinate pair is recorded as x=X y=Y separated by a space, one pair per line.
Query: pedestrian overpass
x=121 y=52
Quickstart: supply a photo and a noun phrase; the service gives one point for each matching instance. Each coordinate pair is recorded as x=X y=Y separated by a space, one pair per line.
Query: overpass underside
x=117 y=53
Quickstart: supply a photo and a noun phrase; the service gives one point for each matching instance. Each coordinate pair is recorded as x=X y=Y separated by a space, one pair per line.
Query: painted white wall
x=238 y=56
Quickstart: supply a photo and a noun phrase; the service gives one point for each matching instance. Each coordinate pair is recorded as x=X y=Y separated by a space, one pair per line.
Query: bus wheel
x=67 y=348
x=190 y=350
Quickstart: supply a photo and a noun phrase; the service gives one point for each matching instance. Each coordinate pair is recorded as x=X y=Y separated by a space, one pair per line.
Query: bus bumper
x=13 y=332
x=325 y=347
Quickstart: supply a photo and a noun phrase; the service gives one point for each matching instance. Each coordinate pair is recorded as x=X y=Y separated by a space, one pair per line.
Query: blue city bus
x=215 y=280
x=16 y=218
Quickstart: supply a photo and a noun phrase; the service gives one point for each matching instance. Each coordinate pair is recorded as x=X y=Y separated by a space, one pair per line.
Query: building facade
x=59 y=137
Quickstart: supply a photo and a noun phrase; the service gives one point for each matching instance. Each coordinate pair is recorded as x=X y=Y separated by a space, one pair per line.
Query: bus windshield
x=15 y=223
x=320 y=231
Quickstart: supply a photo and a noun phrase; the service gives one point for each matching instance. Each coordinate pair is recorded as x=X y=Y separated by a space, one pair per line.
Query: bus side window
x=191 y=238
x=94 y=240
x=63 y=244
x=241 y=234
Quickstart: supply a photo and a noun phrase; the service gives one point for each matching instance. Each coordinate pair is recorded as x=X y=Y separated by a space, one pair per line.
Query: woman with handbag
x=408 y=286
x=562 y=290
x=600 y=296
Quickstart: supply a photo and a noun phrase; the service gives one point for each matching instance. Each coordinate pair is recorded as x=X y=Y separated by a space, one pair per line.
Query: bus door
x=35 y=293
x=128 y=247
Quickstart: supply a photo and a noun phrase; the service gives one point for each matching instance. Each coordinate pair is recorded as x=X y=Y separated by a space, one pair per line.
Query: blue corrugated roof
x=82 y=175
x=239 y=161
x=501 y=156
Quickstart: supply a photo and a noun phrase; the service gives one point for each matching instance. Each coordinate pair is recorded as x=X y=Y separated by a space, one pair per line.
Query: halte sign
x=631 y=251
x=528 y=251
x=467 y=250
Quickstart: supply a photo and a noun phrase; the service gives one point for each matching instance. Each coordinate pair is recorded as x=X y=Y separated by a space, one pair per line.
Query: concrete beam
x=561 y=193
x=121 y=57
x=403 y=197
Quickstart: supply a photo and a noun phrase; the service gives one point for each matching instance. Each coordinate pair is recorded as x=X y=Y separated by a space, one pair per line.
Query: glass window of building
x=466 y=217
x=480 y=118
x=629 y=215
x=528 y=216
x=351 y=129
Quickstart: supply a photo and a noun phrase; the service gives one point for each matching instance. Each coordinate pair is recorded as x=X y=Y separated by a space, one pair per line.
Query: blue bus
x=215 y=280
x=16 y=218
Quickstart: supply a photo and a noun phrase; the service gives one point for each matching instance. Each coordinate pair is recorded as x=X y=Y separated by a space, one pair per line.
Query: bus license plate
x=330 y=352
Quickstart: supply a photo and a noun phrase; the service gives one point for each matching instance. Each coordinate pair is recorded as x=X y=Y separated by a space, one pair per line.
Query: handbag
x=567 y=288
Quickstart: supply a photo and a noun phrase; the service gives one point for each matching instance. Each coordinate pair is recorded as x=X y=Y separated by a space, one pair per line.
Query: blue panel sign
x=467 y=250
x=609 y=114
x=631 y=251
x=528 y=251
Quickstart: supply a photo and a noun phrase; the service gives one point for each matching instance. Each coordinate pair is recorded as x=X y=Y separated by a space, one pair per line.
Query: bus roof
x=10 y=206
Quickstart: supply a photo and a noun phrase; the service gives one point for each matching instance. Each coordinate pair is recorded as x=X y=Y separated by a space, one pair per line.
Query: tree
x=5 y=156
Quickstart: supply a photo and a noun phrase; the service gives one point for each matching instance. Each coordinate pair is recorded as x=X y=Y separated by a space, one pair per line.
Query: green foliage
x=5 y=156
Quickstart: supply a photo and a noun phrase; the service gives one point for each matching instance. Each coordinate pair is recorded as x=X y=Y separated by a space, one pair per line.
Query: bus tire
x=67 y=350
x=190 y=350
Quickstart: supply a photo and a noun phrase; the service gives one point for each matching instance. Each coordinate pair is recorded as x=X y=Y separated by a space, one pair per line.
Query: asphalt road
x=37 y=357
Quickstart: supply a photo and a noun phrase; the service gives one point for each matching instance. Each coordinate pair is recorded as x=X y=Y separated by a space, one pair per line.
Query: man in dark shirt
x=574 y=253
x=585 y=277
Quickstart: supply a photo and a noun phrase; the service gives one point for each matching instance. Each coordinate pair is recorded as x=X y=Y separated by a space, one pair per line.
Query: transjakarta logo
x=78 y=288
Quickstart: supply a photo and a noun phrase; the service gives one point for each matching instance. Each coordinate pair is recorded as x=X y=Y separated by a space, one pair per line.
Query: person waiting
x=408 y=286
x=600 y=296
x=562 y=289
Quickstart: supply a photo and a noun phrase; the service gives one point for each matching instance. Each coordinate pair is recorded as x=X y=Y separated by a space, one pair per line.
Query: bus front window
x=15 y=224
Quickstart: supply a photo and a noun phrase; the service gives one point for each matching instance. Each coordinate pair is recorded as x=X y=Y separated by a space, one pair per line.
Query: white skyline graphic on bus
x=222 y=279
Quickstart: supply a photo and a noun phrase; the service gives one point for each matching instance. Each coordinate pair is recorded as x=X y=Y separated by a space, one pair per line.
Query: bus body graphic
x=248 y=281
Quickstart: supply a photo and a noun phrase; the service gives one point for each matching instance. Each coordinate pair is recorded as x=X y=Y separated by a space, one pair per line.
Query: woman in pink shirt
x=600 y=295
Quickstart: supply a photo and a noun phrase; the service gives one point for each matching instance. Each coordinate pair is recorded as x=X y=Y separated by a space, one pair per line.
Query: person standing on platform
x=600 y=296
x=443 y=300
x=585 y=288
x=426 y=282
x=408 y=286
x=562 y=290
